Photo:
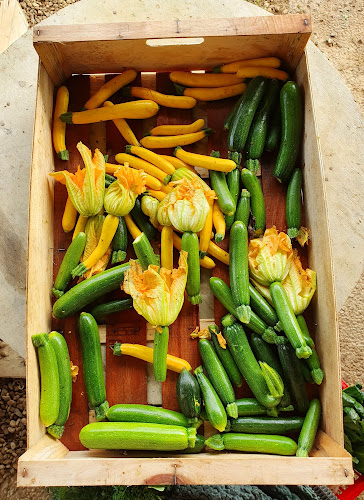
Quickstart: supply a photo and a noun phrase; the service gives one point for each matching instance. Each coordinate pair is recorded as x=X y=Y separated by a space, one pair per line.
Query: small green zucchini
x=119 y=243
x=188 y=394
x=248 y=407
x=137 y=436
x=100 y=311
x=288 y=320
x=253 y=443
x=233 y=182
x=243 y=208
x=313 y=361
x=309 y=429
x=65 y=383
x=142 y=221
x=226 y=358
x=293 y=375
x=109 y=179
x=251 y=183
x=190 y=244
x=267 y=425
x=218 y=377
x=148 y=413
x=292 y=119
x=293 y=203
x=261 y=307
x=274 y=129
x=259 y=127
x=224 y=198
x=239 y=270
x=88 y=291
x=160 y=351
x=49 y=379
x=249 y=367
x=215 y=411
x=144 y=251
x=93 y=371
x=240 y=125
x=69 y=262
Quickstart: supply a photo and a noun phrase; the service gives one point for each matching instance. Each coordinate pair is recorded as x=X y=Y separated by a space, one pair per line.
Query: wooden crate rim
x=240 y=26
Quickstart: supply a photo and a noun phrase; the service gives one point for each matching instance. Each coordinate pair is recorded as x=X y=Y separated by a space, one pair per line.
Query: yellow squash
x=153 y=158
x=159 y=195
x=178 y=129
x=177 y=163
x=124 y=128
x=205 y=233
x=141 y=164
x=80 y=226
x=203 y=79
x=132 y=227
x=204 y=161
x=59 y=127
x=272 y=62
x=253 y=71
x=69 y=216
x=218 y=253
x=169 y=101
x=218 y=220
x=215 y=94
x=110 y=88
x=133 y=109
x=171 y=141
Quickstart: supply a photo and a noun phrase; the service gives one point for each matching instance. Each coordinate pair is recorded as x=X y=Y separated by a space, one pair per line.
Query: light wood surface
x=94 y=49
x=13 y=23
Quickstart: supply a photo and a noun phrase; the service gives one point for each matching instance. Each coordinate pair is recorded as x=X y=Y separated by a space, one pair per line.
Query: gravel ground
x=338 y=33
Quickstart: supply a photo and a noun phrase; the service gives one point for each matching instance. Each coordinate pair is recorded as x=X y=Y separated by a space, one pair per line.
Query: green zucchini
x=142 y=221
x=231 y=116
x=305 y=371
x=188 y=394
x=239 y=271
x=240 y=125
x=267 y=425
x=303 y=326
x=137 y=436
x=292 y=118
x=109 y=179
x=49 y=379
x=293 y=203
x=65 y=383
x=223 y=294
x=100 y=311
x=226 y=358
x=288 y=320
x=309 y=429
x=243 y=208
x=190 y=244
x=119 y=243
x=93 y=371
x=274 y=129
x=148 y=413
x=250 y=407
x=261 y=307
x=233 y=182
x=89 y=290
x=69 y=262
x=216 y=413
x=257 y=205
x=224 y=198
x=293 y=375
x=144 y=251
x=259 y=127
x=243 y=355
x=218 y=377
x=160 y=351
x=253 y=443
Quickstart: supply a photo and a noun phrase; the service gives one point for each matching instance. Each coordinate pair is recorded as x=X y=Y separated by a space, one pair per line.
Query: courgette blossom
x=86 y=187
x=299 y=284
x=270 y=257
x=157 y=293
x=150 y=206
x=93 y=232
x=186 y=206
x=120 y=196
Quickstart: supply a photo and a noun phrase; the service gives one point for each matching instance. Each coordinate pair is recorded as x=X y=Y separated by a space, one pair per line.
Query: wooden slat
x=79 y=92
x=274 y=195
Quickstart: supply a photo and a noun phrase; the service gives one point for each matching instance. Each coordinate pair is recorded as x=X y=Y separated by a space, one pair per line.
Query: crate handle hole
x=164 y=42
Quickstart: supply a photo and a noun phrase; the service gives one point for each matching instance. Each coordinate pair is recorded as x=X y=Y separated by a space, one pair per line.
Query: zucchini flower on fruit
x=150 y=208
x=93 y=232
x=186 y=206
x=158 y=295
x=86 y=187
x=270 y=257
x=120 y=196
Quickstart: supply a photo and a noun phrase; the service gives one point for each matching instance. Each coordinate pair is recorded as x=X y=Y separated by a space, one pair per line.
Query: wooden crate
x=160 y=47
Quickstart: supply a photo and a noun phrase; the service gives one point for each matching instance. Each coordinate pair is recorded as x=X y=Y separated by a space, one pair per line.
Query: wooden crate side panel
x=109 y=49
x=40 y=247
x=319 y=253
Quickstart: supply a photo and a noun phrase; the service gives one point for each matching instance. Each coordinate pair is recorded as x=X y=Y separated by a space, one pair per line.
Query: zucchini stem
x=160 y=350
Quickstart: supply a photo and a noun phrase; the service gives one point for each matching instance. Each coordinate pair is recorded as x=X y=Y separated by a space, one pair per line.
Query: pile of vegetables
x=152 y=197
x=353 y=406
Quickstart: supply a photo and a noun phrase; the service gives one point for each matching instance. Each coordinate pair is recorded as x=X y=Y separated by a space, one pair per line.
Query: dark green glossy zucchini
x=144 y=251
x=188 y=394
x=148 y=413
x=226 y=358
x=233 y=182
x=100 y=311
x=309 y=429
x=261 y=307
x=191 y=245
x=239 y=271
x=119 y=243
x=243 y=208
x=257 y=205
x=266 y=425
x=293 y=203
x=142 y=221
x=274 y=129
x=69 y=262
x=215 y=411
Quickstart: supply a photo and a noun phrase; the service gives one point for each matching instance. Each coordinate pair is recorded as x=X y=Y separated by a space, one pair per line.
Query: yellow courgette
x=134 y=109
x=169 y=101
x=80 y=226
x=171 y=141
x=177 y=163
x=203 y=79
x=140 y=164
x=205 y=233
x=124 y=128
x=272 y=62
x=132 y=227
x=151 y=157
x=266 y=72
x=209 y=162
x=215 y=94
x=159 y=195
x=178 y=129
x=59 y=127
x=69 y=216
x=110 y=88
x=218 y=253
x=218 y=220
